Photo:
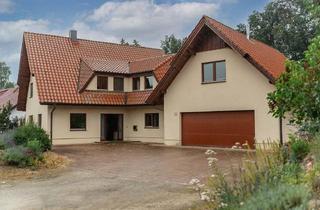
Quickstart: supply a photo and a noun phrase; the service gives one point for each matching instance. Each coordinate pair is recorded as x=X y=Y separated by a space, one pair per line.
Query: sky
x=147 y=21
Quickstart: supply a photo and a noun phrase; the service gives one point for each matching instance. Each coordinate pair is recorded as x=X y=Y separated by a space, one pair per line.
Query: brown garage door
x=221 y=129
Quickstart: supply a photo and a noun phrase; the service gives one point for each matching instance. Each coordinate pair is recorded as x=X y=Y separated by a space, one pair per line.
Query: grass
x=52 y=162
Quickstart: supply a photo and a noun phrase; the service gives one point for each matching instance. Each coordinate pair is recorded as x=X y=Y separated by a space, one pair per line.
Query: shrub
x=35 y=148
x=30 y=132
x=299 y=149
x=280 y=196
x=18 y=156
x=6 y=139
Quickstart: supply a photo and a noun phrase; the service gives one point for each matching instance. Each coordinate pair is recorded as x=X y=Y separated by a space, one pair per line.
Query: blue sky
x=145 y=20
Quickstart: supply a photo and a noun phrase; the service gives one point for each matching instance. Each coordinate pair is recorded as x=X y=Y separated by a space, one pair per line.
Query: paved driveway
x=115 y=176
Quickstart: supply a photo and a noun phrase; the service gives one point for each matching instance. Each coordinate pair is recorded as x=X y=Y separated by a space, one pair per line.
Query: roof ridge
x=251 y=39
x=143 y=59
x=90 y=40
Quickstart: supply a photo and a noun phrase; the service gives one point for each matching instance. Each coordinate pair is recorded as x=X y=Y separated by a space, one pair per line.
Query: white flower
x=210 y=152
x=213 y=175
x=223 y=204
x=204 y=196
x=194 y=181
x=245 y=144
x=241 y=203
x=234 y=147
x=237 y=144
x=211 y=160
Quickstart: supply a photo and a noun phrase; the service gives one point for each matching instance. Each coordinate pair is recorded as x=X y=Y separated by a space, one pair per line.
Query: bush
x=35 y=149
x=18 y=156
x=280 y=196
x=6 y=139
x=30 y=132
x=299 y=149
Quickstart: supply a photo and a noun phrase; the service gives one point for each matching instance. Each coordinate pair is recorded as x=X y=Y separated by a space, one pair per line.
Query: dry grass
x=52 y=163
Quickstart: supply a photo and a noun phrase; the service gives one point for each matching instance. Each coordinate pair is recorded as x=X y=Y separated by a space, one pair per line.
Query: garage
x=219 y=129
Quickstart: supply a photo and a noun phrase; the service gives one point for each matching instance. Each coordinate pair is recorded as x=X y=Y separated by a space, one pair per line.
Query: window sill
x=149 y=127
x=78 y=129
x=204 y=83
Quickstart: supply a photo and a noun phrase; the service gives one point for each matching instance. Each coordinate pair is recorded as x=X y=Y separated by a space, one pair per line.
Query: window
x=31 y=90
x=152 y=120
x=214 y=72
x=136 y=83
x=39 y=120
x=118 y=83
x=102 y=83
x=148 y=82
x=78 y=121
x=30 y=120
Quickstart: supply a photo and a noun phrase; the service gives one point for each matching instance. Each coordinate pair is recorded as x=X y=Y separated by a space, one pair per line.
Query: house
x=212 y=92
x=10 y=95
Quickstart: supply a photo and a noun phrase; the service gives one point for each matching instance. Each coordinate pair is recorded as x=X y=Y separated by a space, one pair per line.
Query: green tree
x=287 y=25
x=297 y=92
x=171 y=44
x=4 y=76
x=123 y=42
x=5 y=113
x=136 y=43
x=242 y=28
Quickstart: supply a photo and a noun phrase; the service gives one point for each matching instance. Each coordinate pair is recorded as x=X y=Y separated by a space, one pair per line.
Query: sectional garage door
x=220 y=129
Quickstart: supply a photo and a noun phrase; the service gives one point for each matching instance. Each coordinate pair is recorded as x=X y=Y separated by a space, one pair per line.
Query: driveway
x=116 y=176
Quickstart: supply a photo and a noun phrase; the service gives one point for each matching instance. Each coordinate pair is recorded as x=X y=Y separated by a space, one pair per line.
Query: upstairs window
x=31 y=90
x=118 y=84
x=148 y=82
x=152 y=120
x=78 y=121
x=136 y=83
x=214 y=72
x=102 y=83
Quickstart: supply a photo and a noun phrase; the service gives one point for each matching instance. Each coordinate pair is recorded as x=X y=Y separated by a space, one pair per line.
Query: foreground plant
x=266 y=178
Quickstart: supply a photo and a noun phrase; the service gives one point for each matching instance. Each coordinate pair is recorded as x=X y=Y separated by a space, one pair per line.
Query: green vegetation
x=30 y=132
x=171 y=44
x=287 y=25
x=24 y=146
x=4 y=76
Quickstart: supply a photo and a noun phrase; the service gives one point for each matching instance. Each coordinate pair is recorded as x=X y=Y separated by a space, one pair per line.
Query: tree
x=171 y=44
x=242 y=28
x=123 y=42
x=297 y=92
x=4 y=76
x=136 y=43
x=286 y=25
x=5 y=122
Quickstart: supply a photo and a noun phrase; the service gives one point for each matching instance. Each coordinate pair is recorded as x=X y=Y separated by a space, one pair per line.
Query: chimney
x=248 y=31
x=73 y=35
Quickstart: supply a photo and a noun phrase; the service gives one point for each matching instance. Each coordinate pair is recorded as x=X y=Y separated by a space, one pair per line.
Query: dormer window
x=148 y=82
x=118 y=84
x=214 y=72
x=102 y=82
x=136 y=83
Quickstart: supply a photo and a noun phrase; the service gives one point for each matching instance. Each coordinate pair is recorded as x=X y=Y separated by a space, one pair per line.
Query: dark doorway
x=111 y=127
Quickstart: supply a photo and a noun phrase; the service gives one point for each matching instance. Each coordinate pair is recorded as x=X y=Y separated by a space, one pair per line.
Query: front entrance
x=111 y=127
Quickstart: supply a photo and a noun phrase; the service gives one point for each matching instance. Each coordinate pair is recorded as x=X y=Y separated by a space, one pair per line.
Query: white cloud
x=142 y=20
x=11 y=33
x=6 y=6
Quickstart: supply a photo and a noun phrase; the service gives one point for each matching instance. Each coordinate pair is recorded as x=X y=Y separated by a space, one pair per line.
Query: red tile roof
x=55 y=63
x=62 y=68
x=9 y=95
x=267 y=60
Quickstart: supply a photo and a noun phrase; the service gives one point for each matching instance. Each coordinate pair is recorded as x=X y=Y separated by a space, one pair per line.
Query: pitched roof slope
x=9 y=95
x=55 y=62
x=266 y=59
x=269 y=58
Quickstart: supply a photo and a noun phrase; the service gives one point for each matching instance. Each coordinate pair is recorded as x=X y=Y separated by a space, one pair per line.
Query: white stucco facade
x=245 y=88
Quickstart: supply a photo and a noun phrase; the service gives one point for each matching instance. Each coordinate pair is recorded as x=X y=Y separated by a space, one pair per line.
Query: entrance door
x=111 y=127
